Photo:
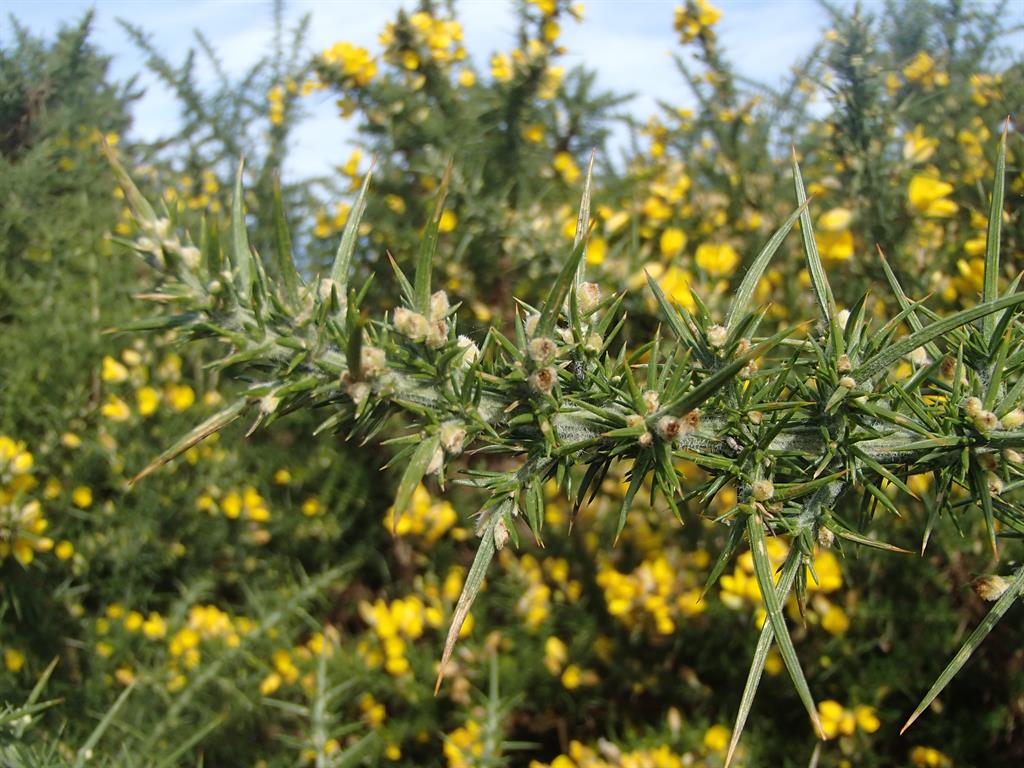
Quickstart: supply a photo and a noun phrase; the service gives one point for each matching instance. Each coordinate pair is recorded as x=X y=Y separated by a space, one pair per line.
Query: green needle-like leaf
x=790 y=568
x=85 y=752
x=414 y=471
x=773 y=606
x=890 y=354
x=970 y=644
x=559 y=290
x=428 y=246
x=990 y=287
x=347 y=246
x=713 y=383
x=215 y=423
x=819 y=281
x=284 y=260
x=474 y=581
x=750 y=280
x=240 y=252
x=583 y=220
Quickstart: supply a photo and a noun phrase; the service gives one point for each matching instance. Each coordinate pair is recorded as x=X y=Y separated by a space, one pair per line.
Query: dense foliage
x=679 y=432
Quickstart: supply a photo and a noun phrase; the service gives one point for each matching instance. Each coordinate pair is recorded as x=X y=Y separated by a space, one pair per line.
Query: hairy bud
x=825 y=538
x=500 y=535
x=358 y=391
x=669 y=428
x=471 y=352
x=990 y=588
x=651 y=400
x=411 y=324
x=437 y=333
x=594 y=342
x=543 y=350
x=762 y=490
x=1013 y=419
x=985 y=421
x=972 y=406
x=372 y=361
x=452 y=435
x=542 y=381
x=589 y=296
x=439 y=305
x=847 y=382
x=717 y=336
x=436 y=462
x=843 y=364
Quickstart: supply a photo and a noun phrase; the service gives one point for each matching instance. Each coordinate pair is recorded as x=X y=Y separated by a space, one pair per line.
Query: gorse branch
x=796 y=419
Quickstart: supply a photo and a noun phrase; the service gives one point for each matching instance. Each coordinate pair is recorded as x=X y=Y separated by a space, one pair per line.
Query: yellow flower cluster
x=836 y=720
x=22 y=523
x=833 y=236
x=426 y=519
x=556 y=654
x=464 y=746
x=611 y=756
x=740 y=587
x=246 y=504
x=356 y=65
x=275 y=98
x=717 y=259
x=922 y=70
x=400 y=622
x=534 y=604
x=658 y=593
x=929 y=757
x=132 y=369
x=192 y=195
x=694 y=18
x=287 y=665
x=432 y=39
x=929 y=196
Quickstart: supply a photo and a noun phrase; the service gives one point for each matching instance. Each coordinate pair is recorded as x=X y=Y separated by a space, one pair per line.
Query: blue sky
x=629 y=44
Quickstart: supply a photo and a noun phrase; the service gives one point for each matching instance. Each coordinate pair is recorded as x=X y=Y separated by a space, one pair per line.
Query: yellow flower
x=154 y=627
x=566 y=167
x=835 y=220
x=501 y=67
x=837 y=246
x=533 y=133
x=70 y=440
x=929 y=196
x=113 y=371
x=82 y=497
x=65 y=550
x=14 y=659
x=116 y=409
x=717 y=259
x=835 y=620
x=716 y=738
x=927 y=757
x=597 y=250
x=672 y=241
x=866 y=718
x=918 y=148
x=835 y=719
x=467 y=78
x=448 y=221
x=355 y=63
x=572 y=677
x=181 y=397
x=147 y=399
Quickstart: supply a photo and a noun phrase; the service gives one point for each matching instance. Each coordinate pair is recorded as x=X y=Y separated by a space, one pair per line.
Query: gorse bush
x=630 y=441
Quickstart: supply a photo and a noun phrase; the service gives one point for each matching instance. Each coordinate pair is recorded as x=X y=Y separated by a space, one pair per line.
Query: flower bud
x=825 y=538
x=972 y=406
x=847 y=382
x=358 y=391
x=994 y=484
x=755 y=417
x=919 y=357
x=542 y=381
x=325 y=288
x=990 y=588
x=543 y=350
x=762 y=490
x=1013 y=419
x=843 y=364
x=1012 y=456
x=500 y=534
x=531 y=323
x=436 y=462
x=439 y=305
x=191 y=256
x=471 y=352
x=594 y=342
x=372 y=361
x=410 y=324
x=645 y=440
x=437 y=333
x=651 y=400
x=669 y=428
x=589 y=296
x=268 y=404
x=717 y=336
x=985 y=421
x=452 y=435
